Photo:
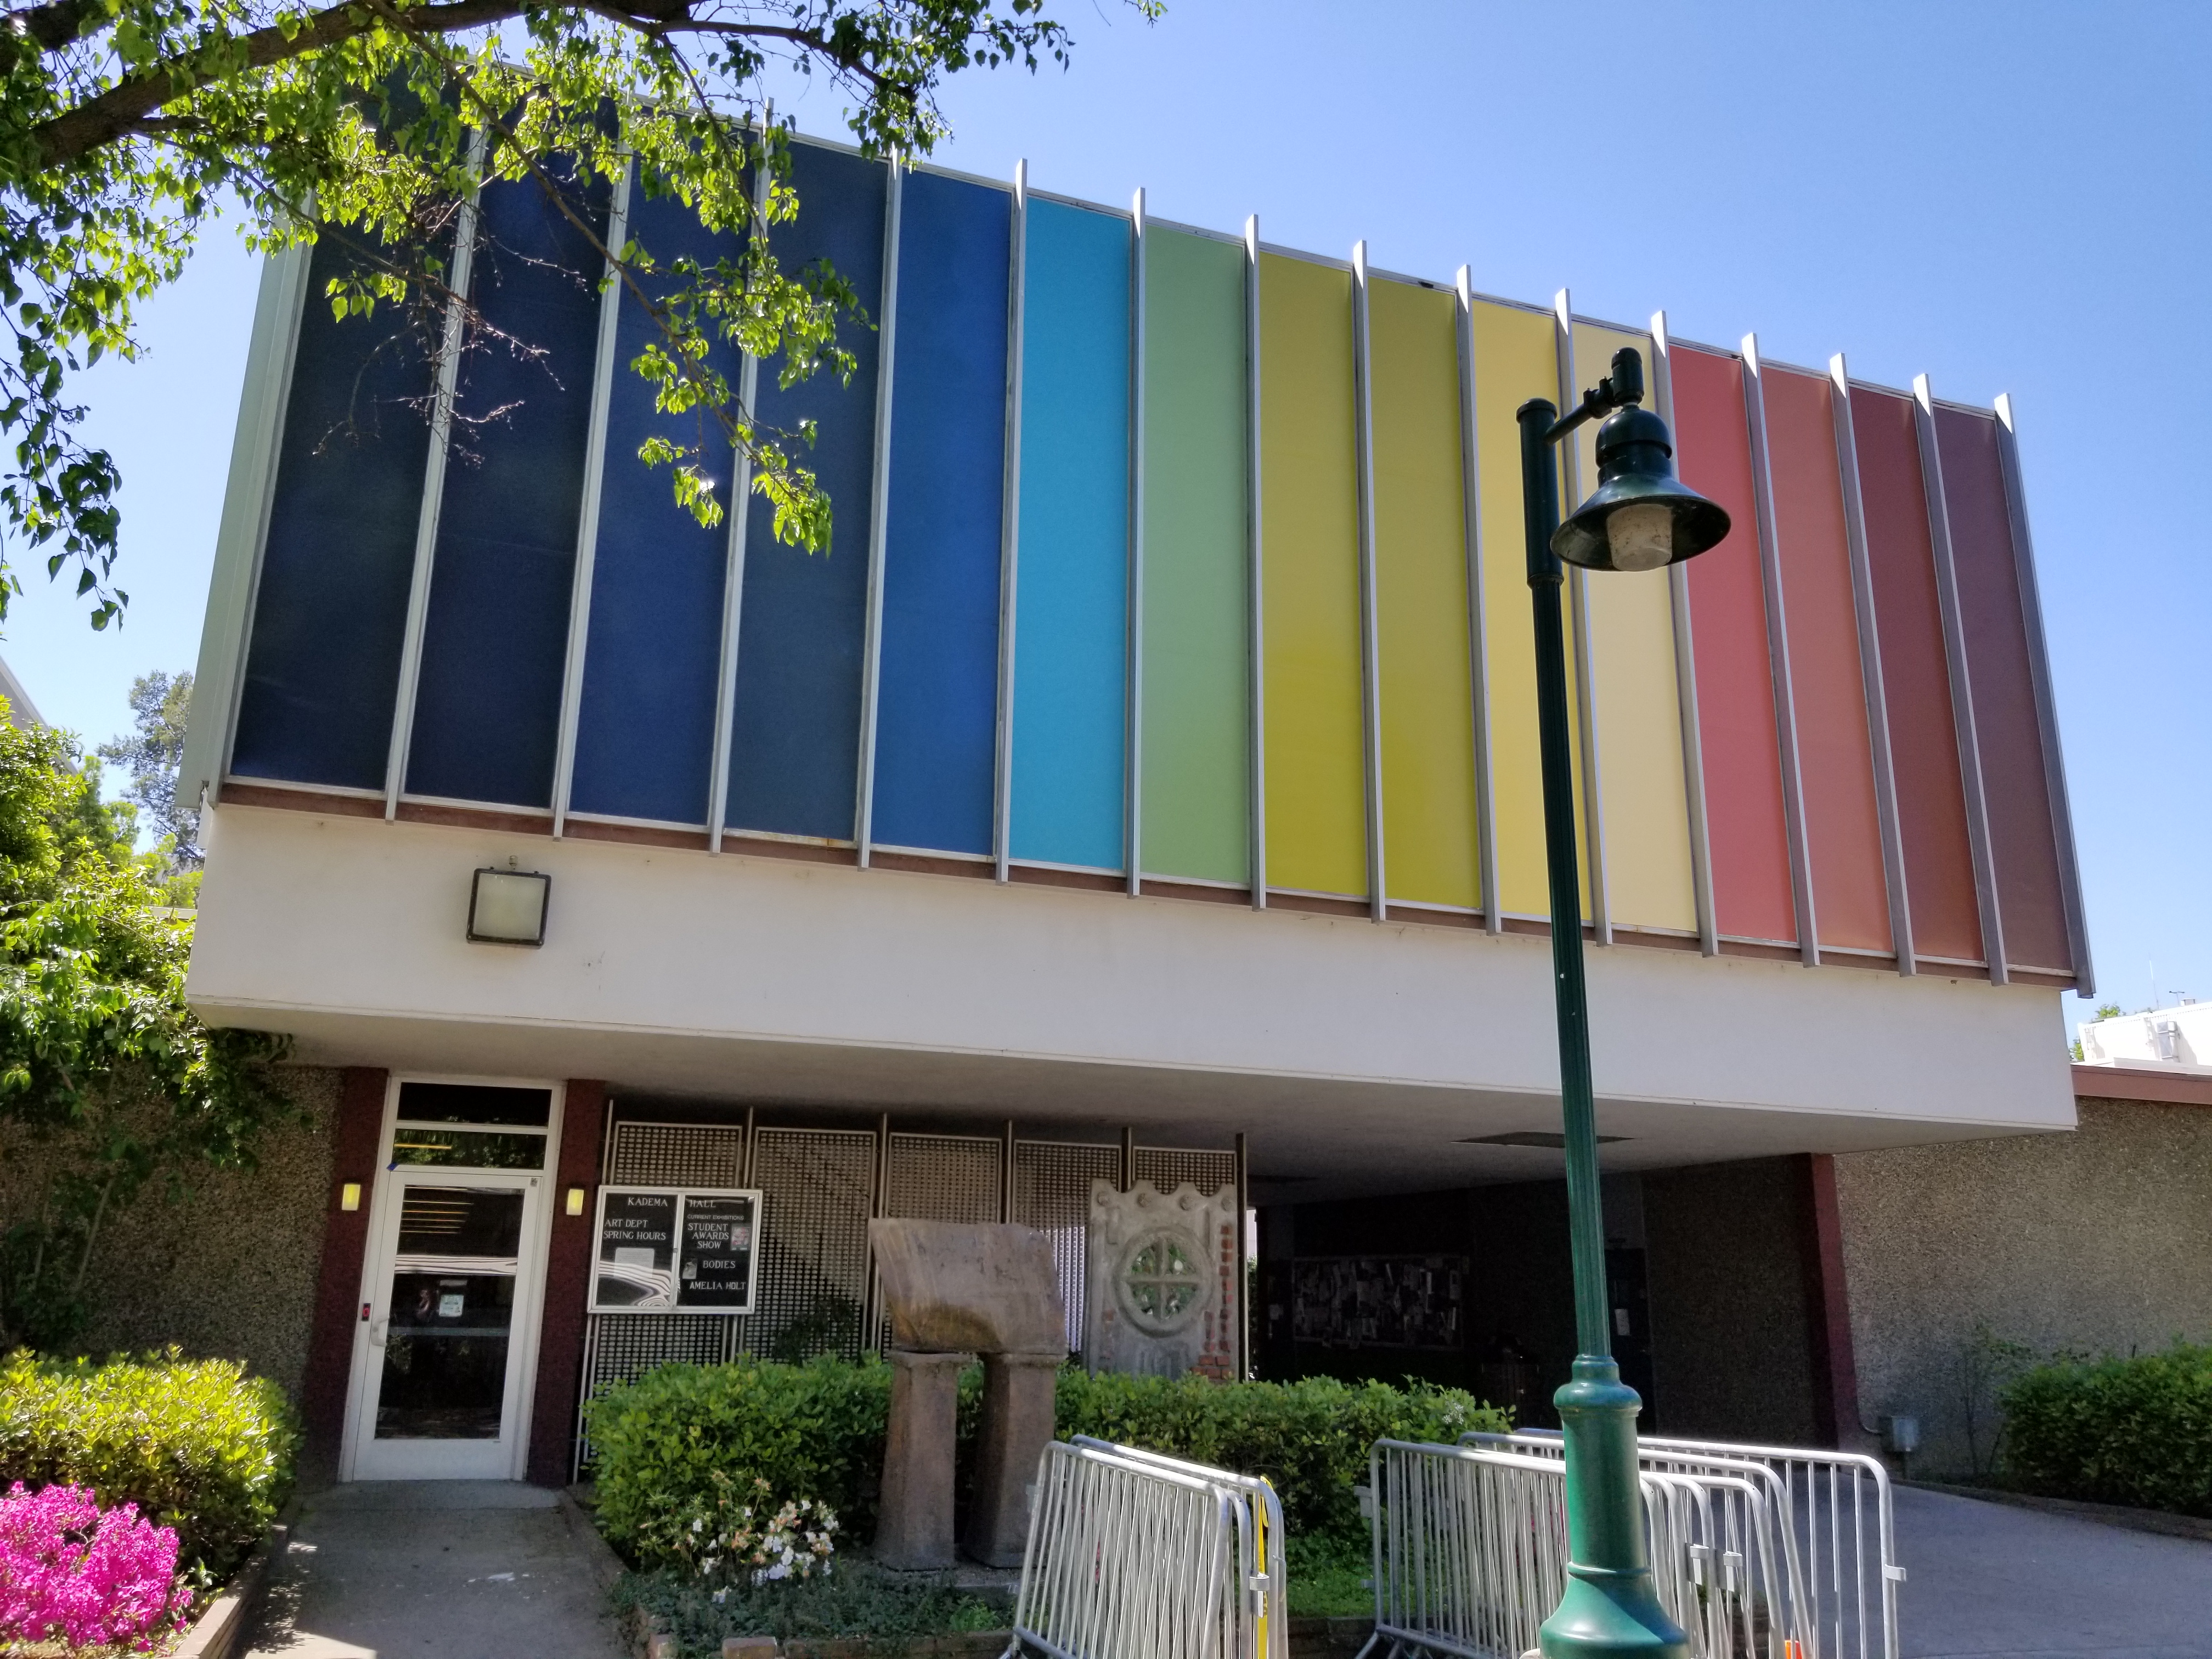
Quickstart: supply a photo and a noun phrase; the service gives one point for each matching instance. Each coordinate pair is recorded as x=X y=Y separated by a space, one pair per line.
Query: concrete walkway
x=469 y=1568
x=1991 y=1581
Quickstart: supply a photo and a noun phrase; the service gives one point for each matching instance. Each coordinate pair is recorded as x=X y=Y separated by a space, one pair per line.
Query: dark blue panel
x=795 y=742
x=494 y=645
x=322 y=668
x=645 y=728
x=937 y=711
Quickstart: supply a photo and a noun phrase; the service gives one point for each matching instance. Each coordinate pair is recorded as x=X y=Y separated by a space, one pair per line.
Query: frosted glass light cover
x=1642 y=536
x=507 y=907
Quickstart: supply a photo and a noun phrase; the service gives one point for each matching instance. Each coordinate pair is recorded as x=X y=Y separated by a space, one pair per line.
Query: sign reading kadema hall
x=676 y=1250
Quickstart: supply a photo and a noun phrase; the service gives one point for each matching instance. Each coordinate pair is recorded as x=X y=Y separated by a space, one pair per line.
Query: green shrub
x=2136 y=1431
x=671 y=1443
x=1310 y=1438
x=196 y=1445
x=894 y=1612
x=812 y=1431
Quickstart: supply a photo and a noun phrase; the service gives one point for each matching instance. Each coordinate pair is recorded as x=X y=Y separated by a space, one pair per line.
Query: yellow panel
x=1429 y=832
x=1643 y=814
x=1316 y=764
x=1515 y=360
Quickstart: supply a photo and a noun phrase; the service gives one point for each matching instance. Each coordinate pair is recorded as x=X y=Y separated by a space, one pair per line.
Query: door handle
x=377 y=1331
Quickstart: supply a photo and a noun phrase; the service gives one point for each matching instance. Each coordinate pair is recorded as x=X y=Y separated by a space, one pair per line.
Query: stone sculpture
x=1164 y=1292
x=952 y=1290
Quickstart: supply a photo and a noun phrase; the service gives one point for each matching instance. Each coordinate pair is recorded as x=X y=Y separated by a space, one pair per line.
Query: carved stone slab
x=951 y=1287
x=1164 y=1292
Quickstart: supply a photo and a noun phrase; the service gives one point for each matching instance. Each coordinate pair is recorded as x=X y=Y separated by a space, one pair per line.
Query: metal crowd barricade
x=1840 y=1530
x=1135 y=1555
x=1267 y=1579
x=1470 y=1553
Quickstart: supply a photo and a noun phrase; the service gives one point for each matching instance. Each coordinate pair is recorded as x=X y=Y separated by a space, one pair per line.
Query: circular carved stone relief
x=1161 y=1282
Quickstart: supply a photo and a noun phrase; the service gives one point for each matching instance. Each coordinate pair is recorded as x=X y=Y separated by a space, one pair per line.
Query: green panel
x=1197 y=731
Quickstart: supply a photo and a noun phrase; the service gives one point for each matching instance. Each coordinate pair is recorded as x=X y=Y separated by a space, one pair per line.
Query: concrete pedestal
x=1018 y=1411
x=914 y=1521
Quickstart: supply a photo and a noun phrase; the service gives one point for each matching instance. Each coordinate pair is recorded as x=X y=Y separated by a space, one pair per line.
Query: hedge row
x=2137 y=1430
x=196 y=1445
x=816 y=1430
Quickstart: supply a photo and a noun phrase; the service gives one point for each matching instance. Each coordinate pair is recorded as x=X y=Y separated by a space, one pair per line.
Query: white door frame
x=361 y=1457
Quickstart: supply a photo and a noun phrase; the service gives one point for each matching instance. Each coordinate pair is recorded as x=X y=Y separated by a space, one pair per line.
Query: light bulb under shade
x=1641 y=536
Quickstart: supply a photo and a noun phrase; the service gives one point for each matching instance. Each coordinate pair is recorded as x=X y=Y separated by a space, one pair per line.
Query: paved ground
x=1990 y=1581
x=464 y=1568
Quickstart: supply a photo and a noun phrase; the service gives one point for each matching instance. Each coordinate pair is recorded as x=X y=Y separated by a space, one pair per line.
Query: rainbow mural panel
x=1746 y=823
x=1196 y=732
x=1425 y=673
x=1032 y=635
x=1843 y=818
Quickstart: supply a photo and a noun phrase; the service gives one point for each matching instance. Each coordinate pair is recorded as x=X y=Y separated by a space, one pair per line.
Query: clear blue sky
x=2008 y=198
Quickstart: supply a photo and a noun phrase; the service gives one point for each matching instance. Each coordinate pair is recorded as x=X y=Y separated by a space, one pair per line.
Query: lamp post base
x=1611 y=1606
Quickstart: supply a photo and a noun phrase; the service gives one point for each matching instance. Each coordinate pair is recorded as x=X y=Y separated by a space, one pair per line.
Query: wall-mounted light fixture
x=507 y=907
x=575 y=1201
x=349 y=1196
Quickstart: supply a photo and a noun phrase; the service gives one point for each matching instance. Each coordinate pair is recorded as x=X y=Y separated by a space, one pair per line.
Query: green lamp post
x=1640 y=517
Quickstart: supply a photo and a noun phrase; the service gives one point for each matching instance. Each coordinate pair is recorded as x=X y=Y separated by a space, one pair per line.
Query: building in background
x=22 y=713
x=1142 y=787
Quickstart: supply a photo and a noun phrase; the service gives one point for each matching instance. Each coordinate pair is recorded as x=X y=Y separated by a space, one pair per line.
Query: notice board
x=676 y=1250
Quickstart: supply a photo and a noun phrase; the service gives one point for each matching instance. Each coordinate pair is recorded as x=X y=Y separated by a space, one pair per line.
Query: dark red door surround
x=567 y=1267
x=1828 y=1310
x=354 y=1139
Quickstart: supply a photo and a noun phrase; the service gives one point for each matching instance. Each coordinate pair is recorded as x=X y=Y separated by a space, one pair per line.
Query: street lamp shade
x=1640 y=516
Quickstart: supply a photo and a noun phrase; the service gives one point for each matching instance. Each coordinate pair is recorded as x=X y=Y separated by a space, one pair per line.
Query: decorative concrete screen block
x=1164 y=1296
x=951 y=1287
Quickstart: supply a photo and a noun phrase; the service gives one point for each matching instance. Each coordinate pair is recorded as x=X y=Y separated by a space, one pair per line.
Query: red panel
x=568 y=1275
x=1931 y=805
x=1744 y=819
x=354 y=1139
x=1835 y=756
x=2024 y=847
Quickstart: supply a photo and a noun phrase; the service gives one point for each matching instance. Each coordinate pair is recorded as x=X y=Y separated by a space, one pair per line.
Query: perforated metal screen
x=817 y=1190
x=1169 y=1167
x=677 y=1155
x=1052 y=1193
x=943 y=1177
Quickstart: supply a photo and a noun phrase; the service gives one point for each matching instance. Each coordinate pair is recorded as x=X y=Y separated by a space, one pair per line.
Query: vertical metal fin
x=1877 y=700
x=1370 y=685
x=1132 y=801
x=1585 y=671
x=1685 y=678
x=2046 y=702
x=1002 y=821
x=1778 y=651
x=587 y=516
x=879 y=526
x=1962 y=691
x=1258 y=634
x=1477 y=645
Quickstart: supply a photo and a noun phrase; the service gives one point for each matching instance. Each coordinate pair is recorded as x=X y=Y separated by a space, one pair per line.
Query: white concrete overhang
x=1358 y=1057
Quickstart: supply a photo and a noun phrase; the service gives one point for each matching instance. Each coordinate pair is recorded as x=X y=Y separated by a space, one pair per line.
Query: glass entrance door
x=440 y=1382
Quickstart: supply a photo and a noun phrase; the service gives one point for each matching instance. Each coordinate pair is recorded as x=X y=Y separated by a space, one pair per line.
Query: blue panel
x=322 y=668
x=645 y=726
x=937 y=710
x=1071 y=661
x=795 y=738
x=488 y=702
